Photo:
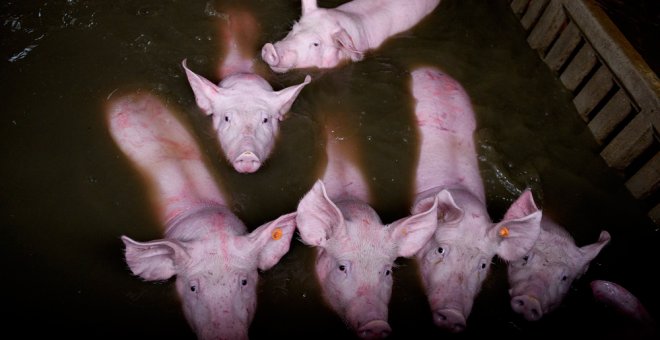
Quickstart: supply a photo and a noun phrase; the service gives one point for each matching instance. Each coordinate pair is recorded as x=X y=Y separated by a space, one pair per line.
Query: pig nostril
x=442 y=316
x=375 y=329
x=535 y=313
x=459 y=327
x=520 y=302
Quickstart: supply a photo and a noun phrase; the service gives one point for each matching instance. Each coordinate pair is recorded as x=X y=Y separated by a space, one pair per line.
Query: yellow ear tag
x=504 y=232
x=276 y=234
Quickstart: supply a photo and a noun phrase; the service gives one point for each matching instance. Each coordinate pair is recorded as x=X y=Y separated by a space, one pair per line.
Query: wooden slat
x=518 y=7
x=593 y=92
x=579 y=67
x=630 y=69
x=532 y=14
x=562 y=49
x=646 y=181
x=610 y=116
x=547 y=28
x=629 y=144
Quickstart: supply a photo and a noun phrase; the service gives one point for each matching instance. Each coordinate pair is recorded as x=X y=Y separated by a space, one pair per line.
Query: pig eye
x=244 y=282
x=564 y=278
x=193 y=286
x=315 y=44
x=265 y=120
x=342 y=267
x=388 y=272
x=440 y=250
x=226 y=118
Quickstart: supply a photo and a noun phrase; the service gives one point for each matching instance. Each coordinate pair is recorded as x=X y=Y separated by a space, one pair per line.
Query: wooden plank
x=647 y=180
x=593 y=92
x=579 y=67
x=610 y=116
x=629 y=144
x=547 y=28
x=630 y=69
x=533 y=12
x=563 y=48
x=519 y=6
x=654 y=214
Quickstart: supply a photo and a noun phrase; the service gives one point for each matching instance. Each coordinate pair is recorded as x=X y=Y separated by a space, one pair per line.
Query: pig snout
x=247 y=162
x=375 y=329
x=528 y=306
x=269 y=55
x=449 y=319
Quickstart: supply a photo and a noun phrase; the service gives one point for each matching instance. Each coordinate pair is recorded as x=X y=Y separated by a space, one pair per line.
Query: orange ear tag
x=276 y=234
x=504 y=232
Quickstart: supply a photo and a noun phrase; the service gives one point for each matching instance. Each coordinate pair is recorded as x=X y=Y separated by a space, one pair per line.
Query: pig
x=324 y=38
x=355 y=251
x=622 y=301
x=244 y=108
x=456 y=260
x=540 y=280
x=205 y=245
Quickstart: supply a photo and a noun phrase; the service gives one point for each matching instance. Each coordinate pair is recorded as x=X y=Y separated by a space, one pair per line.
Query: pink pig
x=325 y=37
x=244 y=108
x=205 y=245
x=456 y=260
x=541 y=279
x=355 y=250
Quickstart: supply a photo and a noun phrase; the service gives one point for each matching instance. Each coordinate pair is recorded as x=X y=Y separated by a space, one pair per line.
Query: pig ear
x=523 y=206
x=272 y=240
x=412 y=233
x=204 y=90
x=344 y=42
x=516 y=234
x=155 y=260
x=308 y=6
x=286 y=97
x=317 y=216
x=589 y=252
x=448 y=210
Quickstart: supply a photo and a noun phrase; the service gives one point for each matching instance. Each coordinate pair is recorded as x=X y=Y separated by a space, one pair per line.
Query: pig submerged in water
x=541 y=279
x=355 y=251
x=244 y=108
x=456 y=260
x=205 y=245
x=325 y=37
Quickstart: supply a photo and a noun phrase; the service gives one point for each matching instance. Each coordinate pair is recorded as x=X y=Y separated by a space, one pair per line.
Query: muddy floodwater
x=67 y=193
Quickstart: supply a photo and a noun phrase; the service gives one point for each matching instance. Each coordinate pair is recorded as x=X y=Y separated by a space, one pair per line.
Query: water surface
x=68 y=193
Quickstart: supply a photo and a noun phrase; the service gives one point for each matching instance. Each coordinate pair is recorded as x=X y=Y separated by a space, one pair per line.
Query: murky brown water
x=67 y=192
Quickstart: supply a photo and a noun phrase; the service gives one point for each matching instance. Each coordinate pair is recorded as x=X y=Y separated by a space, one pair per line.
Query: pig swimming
x=355 y=251
x=540 y=280
x=205 y=245
x=244 y=108
x=456 y=260
x=325 y=37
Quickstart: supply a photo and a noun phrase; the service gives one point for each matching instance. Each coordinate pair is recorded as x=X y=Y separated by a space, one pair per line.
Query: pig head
x=215 y=267
x=205 y=246
x=540 y=280
x=456 y=260
x=246 y=113
x=355 y=255
x=324 y=38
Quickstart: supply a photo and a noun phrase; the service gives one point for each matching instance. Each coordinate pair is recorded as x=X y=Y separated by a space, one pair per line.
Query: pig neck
x=343 y=179
x=190 y=224
x=371 y=22
x=449 y=162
